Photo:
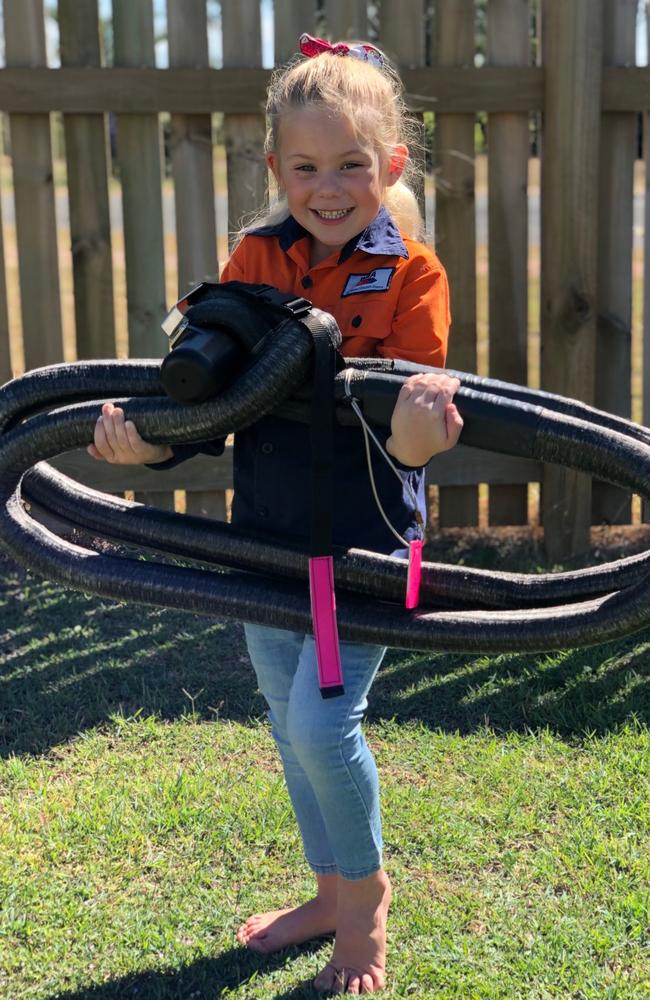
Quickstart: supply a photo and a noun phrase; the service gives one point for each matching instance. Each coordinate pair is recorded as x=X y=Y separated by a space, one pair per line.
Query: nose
x=329 y=183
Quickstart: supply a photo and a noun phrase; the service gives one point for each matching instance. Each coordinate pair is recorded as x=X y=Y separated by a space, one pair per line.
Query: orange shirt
x=388 y=293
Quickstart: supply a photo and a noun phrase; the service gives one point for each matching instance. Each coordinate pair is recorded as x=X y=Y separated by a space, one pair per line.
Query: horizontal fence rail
x=242 y=91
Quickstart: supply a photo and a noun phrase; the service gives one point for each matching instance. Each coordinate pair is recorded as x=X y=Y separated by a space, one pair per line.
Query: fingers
x=425 y=421
x=429 y=391
x=113 y=441
x=430 y=385
x=118 y=441
x=453 y=423
x=102 y=447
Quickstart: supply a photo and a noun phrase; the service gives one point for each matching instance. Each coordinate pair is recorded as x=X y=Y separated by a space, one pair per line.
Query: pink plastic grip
x=323 y=611
x=414 y=573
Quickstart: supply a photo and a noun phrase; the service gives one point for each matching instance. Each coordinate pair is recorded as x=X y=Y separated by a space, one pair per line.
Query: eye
x=351 y=165
x=305 y=167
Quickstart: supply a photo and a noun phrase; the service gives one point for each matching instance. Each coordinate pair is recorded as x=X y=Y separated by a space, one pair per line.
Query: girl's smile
x=333 y=178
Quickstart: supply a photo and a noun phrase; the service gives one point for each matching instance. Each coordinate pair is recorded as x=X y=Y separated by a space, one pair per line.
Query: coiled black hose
x=259 y=580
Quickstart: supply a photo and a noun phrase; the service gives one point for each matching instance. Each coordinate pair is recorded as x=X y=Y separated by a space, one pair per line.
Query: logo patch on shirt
x=376 y=280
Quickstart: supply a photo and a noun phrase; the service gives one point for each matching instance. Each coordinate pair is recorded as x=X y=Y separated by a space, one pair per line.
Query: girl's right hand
x=117 y=441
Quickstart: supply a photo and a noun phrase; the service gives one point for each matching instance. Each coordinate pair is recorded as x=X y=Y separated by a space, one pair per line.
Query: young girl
x=344 y=235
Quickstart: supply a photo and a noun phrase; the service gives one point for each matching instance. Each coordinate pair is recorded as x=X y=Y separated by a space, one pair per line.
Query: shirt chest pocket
x=369 y=315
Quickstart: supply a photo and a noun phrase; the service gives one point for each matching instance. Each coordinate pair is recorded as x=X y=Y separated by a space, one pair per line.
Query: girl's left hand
x=425 y=421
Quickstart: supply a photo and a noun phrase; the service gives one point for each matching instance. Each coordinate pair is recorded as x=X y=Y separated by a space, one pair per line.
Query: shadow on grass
x=69 y=662
x=205 y=979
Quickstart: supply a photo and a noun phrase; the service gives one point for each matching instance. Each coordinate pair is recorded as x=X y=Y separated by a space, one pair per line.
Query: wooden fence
x=570 y=65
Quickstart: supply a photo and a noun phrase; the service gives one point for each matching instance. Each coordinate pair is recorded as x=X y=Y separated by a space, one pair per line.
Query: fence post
x=244 y=134
x=573 y=43
x=347 y=19
x=5 y=345
x=612 y=505
x=291 y=18
x=139 y=156
x=33 y=173
x=90 y=224
x=191 y=151
x=645 y=416
x=456 y=223
x=508 y=144
x=192 y=170
x=402 y=36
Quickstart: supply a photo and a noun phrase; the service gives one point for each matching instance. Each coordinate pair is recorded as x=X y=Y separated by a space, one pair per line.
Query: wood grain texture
x=462 y=89
x=573 y=45
x=508 y=145
x=86 y=162
x=347 y=19
x=611 y=505
x=33 y=179
x=244 y=133
x=139 y=156
x=455 y=223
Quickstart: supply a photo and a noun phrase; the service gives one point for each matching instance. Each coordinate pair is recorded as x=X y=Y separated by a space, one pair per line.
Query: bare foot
x=277 y=929
x=358 y=963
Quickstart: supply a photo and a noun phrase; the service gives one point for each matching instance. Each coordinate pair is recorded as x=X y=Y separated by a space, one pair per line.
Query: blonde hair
x=371 y=98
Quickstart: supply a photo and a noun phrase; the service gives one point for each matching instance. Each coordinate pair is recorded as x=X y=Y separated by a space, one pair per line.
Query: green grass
x=143 y=813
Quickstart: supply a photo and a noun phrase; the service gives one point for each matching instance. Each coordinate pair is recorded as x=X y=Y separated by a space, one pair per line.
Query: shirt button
x=262 y=511
x=307 y=282
x=267 y=448
x=357 y=321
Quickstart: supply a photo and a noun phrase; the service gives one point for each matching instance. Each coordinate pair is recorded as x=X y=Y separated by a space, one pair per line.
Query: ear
x=273 y=164
x=396 y=164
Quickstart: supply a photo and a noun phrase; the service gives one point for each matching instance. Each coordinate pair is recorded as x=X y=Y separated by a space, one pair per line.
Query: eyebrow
x=307 y=156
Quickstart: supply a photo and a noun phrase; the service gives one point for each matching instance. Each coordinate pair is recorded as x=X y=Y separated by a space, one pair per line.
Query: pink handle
x=323 y=611
x=414 y=573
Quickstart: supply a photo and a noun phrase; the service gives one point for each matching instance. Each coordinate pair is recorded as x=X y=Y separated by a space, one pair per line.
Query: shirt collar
x=381 y=236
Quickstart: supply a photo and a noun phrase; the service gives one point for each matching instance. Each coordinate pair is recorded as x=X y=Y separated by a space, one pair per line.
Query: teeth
x=332 y=215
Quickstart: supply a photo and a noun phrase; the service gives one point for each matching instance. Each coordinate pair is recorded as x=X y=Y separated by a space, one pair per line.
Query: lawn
x=143 y=814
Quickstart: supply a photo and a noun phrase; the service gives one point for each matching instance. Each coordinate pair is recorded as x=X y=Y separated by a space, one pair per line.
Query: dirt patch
x=522 y=548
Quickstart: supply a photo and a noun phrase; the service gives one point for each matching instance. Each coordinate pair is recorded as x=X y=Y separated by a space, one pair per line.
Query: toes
x=368 y=984
x=330 y=980
x=260 y=944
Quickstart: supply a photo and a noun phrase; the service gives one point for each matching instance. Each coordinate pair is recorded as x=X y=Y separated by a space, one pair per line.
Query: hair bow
x=310 y=46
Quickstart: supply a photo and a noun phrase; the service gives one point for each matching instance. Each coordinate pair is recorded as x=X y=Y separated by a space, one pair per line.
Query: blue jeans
x=330 y=773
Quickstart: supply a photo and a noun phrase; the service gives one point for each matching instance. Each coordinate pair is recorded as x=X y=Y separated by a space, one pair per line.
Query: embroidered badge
x=377 y=280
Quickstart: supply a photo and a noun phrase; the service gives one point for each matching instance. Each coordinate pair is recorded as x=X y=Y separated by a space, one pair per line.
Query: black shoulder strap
x=322 y=434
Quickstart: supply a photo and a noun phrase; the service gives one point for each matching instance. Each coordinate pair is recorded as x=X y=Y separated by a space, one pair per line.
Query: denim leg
x=274 y=654
x=326 y=738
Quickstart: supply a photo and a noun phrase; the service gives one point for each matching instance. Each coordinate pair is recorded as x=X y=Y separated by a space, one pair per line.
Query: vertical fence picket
x=244 y=134
x=402 y=36
x=645 y=374
x=192 y=170
x=456 y=223
x=573 y=68
x=347 y=19
x=611 y=505
x=5 y=347
x=291 y=18
x=33 y=176
x=191 y=152
x=139 y=156
x=508 y=141
x=90 y=225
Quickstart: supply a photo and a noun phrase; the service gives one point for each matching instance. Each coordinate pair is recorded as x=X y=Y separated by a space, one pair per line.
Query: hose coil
x=237 y=575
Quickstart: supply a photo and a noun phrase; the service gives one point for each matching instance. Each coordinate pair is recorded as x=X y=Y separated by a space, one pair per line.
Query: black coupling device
x=216 y=331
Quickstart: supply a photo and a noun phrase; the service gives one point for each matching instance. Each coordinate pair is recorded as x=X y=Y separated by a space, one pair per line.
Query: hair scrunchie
x=310 y=46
